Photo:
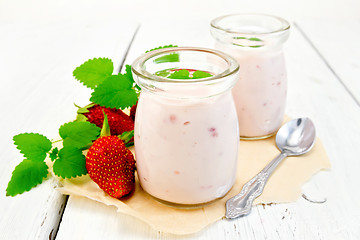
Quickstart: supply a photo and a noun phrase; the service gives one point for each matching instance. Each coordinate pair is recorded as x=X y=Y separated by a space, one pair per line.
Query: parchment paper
x=283 y=186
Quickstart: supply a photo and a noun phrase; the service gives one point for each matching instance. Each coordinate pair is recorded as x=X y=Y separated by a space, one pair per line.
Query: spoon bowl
x=296 y=137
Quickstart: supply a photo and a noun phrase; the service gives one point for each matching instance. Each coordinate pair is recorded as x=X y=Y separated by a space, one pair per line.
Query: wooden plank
x=37 y=95
x=335 y=41
x=313 y=91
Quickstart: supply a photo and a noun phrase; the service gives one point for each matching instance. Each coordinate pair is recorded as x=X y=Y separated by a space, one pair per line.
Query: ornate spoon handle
x=241 y=204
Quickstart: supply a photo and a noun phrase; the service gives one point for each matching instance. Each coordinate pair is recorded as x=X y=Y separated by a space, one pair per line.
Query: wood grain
x=36 y=64
x=37 y=95
x=335 y=43
x=313 y=91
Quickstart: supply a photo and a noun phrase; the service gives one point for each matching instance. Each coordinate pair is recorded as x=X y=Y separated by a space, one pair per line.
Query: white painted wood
x=336 y=41
x=37 y=95
x=38 y=89
x=313 y=91
x=53 y=11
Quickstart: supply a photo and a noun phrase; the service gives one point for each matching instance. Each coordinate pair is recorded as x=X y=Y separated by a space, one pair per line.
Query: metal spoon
x=294 y=138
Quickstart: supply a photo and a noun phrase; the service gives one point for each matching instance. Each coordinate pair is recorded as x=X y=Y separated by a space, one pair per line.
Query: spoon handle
x=241 y=204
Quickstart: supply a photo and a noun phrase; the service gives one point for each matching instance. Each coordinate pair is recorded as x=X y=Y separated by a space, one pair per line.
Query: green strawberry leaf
x=172 y=57
x=250 y=39
x=71 y=163
x=34 y=146
x=123 y=79
x=105 y=130
x=78 y=134
x=200 y=74
x=115 y=92
x=255 y=39
x=239 y=38
x=128 y=74
x=94 y=71
x=54 y=154
x=181 y=74
x=25 y=176
x=163 y=73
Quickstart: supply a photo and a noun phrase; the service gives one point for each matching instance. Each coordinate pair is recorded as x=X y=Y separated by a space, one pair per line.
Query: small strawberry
x=119 y=122
x=133 y=111
x=111 y=166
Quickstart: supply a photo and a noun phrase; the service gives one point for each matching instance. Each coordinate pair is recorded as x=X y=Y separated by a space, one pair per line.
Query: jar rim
x=138 y=65
x=284 y=24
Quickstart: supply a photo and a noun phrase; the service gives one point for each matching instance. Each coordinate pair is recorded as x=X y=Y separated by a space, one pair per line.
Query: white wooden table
x=38 y=91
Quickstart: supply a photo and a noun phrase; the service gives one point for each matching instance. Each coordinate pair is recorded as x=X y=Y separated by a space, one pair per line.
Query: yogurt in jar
x=186 y=151
x=260 y=93
x=255 y=41
x=186 y=129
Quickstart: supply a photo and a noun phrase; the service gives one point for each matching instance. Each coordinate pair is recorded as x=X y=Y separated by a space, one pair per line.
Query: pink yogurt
x=255 y=41
x=186 y=151
x=186 y=130
x=260 y=93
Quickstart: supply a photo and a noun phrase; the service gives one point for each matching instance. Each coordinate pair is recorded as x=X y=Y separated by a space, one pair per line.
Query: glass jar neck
x=149 y=72
x=251 y=31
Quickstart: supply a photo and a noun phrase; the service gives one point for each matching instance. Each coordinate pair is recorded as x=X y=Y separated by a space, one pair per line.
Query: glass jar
x=255 y=41
x=186 y=130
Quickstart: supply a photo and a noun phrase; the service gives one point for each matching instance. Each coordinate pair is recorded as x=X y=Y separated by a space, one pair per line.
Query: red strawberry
x=133 y=111
x=111 y=166
x=119 y=122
